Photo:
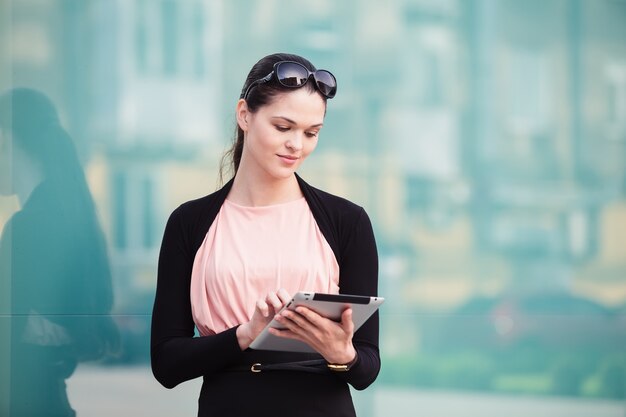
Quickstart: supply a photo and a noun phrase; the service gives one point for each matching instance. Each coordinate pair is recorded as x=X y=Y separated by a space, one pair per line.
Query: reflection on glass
x=53 y=256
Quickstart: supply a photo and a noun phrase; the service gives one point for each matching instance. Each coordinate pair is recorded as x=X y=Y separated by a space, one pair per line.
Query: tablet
x=327 y=305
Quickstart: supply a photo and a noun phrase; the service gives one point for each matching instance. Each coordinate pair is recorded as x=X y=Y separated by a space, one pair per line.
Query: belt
x=316 y=366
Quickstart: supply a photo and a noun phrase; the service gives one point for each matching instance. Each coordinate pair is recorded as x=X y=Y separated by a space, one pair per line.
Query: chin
x=283 y=174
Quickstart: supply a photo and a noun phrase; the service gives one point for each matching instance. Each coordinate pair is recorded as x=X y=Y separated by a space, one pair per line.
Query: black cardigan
x=178 y=356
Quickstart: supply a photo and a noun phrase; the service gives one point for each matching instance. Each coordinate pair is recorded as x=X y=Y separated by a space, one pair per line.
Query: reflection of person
x=230 y=261
x=53 y=253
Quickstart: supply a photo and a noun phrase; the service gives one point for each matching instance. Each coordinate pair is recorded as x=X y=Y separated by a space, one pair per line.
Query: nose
x=295 y=141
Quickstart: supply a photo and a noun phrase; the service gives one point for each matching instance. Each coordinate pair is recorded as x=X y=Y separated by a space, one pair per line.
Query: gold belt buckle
x=254 y=369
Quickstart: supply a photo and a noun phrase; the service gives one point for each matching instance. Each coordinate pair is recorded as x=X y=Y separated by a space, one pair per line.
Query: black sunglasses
x=293 y=75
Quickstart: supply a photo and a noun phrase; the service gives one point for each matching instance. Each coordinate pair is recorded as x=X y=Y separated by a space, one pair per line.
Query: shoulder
x=333 y=203
x=194 y=217
x=32 y=225
x=346 y=227
x=191 y=210
x=341 y=213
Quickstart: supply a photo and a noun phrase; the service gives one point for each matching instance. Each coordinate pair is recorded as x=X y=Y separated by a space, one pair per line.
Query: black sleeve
x=177 y=355
x=359 y=276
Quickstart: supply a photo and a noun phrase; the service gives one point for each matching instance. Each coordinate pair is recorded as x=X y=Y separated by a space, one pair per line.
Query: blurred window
x=197 y=40
x=134 y=210
x=170 y=36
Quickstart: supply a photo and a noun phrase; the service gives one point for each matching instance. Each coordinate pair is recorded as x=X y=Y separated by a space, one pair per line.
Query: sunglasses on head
x=293 y=75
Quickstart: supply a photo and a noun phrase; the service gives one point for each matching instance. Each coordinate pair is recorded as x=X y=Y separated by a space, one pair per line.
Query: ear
x=242 y=113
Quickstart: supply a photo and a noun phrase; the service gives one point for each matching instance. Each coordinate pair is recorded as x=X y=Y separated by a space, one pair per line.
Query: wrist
x=344 y=366
x=243 y=336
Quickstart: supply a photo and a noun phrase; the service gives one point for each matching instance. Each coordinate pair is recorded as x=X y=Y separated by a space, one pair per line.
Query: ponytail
x=232 y=157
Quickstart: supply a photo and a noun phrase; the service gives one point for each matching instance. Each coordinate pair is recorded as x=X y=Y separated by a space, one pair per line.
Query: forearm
x=365 y=370
x=179 y=359
x=177 y=355
x=359 y=276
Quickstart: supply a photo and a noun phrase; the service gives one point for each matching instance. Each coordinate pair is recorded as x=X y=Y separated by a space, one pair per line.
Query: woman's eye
x=282 y=128
x=311 y=134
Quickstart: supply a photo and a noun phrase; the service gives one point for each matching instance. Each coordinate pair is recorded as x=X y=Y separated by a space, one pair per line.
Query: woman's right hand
x=264 y=312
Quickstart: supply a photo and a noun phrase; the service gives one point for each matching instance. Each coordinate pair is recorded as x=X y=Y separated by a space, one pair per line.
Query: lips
x=288 y=159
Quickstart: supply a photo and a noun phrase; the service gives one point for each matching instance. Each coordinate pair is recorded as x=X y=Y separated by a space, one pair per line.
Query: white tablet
x=327 y=305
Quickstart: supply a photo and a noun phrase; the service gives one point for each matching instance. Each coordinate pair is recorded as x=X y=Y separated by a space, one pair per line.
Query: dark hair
x=261 y=95
x=34 y=123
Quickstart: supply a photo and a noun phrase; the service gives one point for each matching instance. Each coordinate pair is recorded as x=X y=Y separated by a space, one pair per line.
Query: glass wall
x=485 y=138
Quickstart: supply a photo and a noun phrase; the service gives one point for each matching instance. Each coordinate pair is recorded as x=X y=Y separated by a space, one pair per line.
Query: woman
x=231 y=260
x=52 y=257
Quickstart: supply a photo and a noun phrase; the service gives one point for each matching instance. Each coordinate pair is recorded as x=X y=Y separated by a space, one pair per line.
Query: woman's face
x=281 y=134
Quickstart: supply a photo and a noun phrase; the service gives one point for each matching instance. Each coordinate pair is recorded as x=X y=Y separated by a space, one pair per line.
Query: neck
x=253 y=191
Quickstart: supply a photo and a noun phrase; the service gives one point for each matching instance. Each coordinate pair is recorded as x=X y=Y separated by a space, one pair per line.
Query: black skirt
x=274 y=394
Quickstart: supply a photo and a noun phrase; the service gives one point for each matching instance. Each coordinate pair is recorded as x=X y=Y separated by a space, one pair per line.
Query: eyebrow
x=288 y=120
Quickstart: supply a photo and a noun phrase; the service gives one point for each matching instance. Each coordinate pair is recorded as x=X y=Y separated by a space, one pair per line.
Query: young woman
x=231 y=260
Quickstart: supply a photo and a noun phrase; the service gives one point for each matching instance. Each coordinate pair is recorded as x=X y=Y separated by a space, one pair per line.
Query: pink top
x=249 y=251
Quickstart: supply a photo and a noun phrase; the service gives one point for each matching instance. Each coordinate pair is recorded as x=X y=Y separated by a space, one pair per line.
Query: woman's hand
x=331 y=339
x=264 y=312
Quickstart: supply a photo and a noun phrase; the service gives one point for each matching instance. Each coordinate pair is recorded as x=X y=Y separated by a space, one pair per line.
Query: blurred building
x=138 y=86
x=536 y=121
x=509 y=157
x=156 y=79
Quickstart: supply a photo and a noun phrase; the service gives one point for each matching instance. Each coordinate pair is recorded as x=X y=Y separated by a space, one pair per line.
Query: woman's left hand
x=331 y=339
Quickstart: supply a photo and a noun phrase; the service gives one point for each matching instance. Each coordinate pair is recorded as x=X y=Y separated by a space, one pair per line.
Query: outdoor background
x=485 y=138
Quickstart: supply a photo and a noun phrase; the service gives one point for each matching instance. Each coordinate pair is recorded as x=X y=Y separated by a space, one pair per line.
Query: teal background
x=485 y=138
